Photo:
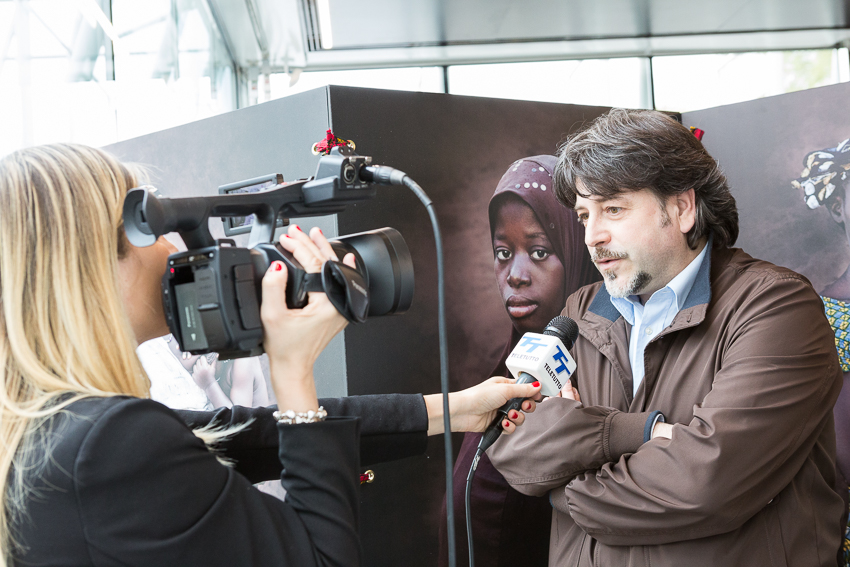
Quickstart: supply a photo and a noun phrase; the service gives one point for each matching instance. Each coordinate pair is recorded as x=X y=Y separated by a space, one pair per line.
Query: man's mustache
x=597 y=254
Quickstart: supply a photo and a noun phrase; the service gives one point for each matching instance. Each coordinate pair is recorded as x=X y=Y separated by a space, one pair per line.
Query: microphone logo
x=553 y=375
x=527 y=367
x=545 y=358
x=561 y=358
x=531 y=343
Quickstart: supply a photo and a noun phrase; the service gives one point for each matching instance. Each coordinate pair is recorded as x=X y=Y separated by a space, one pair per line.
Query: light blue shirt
x=649 y=319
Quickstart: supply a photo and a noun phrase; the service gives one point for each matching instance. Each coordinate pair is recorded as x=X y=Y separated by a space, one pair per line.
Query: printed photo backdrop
x=786 y=160
x=457 y=148
x=761 y=146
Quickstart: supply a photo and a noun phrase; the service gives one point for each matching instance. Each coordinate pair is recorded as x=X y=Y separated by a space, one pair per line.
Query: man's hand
x=569 y=392
x=664 y=430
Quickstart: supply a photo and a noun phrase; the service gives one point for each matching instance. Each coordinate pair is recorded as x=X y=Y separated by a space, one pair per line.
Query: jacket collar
x=602 y=305
x=607 y=330
x=700 y=293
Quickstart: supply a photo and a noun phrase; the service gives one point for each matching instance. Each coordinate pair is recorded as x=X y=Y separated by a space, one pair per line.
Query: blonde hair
x=64 y=333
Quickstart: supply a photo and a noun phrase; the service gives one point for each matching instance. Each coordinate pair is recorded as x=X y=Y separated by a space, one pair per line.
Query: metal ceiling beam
x=222 y=29
x=577 y=49
x=259 y=32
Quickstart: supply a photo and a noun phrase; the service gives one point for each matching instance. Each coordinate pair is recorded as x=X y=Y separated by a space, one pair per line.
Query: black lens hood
x=346 y=289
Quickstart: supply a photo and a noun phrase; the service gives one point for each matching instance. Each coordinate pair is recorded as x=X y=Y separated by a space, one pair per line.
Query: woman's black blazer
x=125 y=482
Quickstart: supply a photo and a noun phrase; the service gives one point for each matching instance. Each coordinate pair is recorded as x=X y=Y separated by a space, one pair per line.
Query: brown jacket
x=748 y=372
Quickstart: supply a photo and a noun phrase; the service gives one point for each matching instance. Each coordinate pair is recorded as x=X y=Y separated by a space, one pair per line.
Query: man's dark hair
x=630 y=150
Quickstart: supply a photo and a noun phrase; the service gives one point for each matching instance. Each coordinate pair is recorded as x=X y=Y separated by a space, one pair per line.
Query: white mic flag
x=545 y=358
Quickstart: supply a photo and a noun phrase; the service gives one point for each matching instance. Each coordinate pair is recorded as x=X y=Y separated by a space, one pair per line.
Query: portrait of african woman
x=539 y=259
x=823 y=182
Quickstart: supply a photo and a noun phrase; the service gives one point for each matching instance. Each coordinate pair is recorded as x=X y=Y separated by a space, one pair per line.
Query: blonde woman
x=96 y=473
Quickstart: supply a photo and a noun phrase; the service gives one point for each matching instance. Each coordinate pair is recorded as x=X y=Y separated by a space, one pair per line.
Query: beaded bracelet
x=290 y=417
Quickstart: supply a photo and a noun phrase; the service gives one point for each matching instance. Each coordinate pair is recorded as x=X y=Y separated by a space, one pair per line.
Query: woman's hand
x=475 y=408
x=294 y=338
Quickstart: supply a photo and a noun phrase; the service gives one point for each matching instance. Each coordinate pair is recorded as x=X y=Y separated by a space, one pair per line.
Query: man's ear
x=685 y=209
x=836 y=208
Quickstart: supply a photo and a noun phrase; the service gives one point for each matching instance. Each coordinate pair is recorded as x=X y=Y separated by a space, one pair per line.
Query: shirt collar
x=680 y=286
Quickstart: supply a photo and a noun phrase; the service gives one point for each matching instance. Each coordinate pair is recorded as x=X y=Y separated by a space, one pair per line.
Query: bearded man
x=701 y=432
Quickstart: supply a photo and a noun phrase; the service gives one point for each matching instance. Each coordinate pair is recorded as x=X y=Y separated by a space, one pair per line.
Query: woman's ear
x=836 y=208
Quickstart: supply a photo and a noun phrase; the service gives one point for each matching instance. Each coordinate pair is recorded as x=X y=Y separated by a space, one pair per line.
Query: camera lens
x=348 y=173
x=384 y=256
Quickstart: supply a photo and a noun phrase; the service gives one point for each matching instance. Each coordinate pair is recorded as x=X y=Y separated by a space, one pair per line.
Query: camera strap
x=313 y=282
x=345 y=287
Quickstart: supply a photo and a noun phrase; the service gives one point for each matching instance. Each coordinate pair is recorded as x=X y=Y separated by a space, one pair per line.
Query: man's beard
x=633 y=286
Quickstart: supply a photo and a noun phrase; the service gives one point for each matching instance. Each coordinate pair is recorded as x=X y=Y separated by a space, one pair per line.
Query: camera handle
x=148 y=216
x=337 y=183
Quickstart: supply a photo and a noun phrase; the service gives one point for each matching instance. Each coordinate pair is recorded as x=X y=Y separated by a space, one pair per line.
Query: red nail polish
x=298 y=228
x=320 y=231
x=535 y=384
x=505 y=424
x=286 y=236
x=513 y=415
x=278 y=266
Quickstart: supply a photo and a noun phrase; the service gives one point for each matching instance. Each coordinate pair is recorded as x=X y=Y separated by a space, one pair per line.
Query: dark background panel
x=761 y=145
x=457 y=149
x=274 y=137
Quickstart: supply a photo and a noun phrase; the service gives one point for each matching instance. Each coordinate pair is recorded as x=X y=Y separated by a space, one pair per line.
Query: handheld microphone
x=537 y=357
x=543 y=358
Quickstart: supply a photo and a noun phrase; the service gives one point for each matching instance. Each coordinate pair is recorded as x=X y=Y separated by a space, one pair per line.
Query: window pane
x=170 y=68
x=147 y=45
x=422 y=79
x=691 y=82
x=51 y=76
x=600 y=82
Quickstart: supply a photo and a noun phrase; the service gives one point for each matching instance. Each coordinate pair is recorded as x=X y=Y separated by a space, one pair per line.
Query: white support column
x=6 y=39
x=22 y=32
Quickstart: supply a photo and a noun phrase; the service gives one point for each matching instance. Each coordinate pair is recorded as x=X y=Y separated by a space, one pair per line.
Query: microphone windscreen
x=564 y=328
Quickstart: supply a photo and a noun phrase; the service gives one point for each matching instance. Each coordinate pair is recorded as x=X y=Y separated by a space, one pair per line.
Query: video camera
x=212 y=292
